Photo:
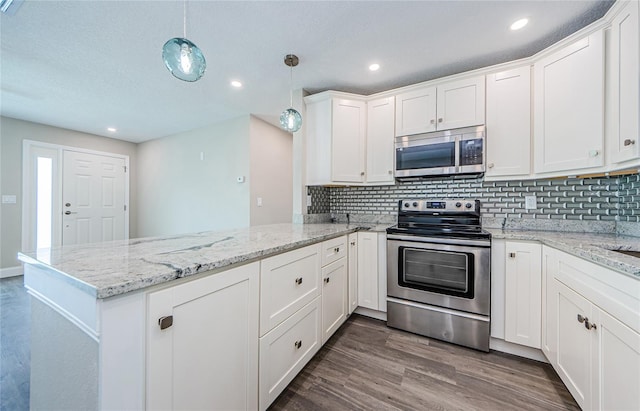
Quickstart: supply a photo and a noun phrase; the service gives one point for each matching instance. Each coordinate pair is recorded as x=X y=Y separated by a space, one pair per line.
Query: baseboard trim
x=367 y=312
x=517 y=349
x=11 y=271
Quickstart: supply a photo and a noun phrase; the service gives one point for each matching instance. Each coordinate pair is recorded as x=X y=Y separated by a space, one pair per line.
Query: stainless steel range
x=439 y=271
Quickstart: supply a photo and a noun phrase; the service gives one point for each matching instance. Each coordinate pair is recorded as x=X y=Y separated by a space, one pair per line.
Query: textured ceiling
x=89 y=65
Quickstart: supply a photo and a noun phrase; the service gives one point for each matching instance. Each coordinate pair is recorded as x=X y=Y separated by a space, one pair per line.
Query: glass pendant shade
x=184 y=59
x=291 y=120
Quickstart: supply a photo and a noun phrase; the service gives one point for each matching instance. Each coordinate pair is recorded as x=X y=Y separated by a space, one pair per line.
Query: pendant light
x=290 y=119
x=183 y=58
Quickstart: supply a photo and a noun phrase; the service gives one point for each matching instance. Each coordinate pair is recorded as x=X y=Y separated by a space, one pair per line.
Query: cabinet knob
x=337 y=250
x=512 y=255
x=326 y=280
x=298 y=344
x=440 y=120
x=490 y=165
x=589 y=325
x=165 y=322
x=433 y=121
x=594 y=153
x=299 y=280
x=581 y=319
x=353 y=243
x=362 y=173
x=629 y=142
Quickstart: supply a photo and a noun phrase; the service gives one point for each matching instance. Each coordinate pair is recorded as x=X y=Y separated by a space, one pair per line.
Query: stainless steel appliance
x=450 y=152
x=439 y=271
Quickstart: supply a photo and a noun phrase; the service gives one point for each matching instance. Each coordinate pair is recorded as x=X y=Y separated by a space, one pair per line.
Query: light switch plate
x=259 y=201
x=530 y=202
x=8 y=199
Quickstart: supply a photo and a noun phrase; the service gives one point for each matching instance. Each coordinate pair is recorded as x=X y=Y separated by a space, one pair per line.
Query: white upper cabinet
x=623 y=85
x=461 y=103
x=416 y=112
x=348 y=141
x=569 y=107
x=380 y=128
x=451 y=105
x=509 y=123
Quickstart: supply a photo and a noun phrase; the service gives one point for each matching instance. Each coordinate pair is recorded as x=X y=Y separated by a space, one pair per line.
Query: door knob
x=67 y=204
x=70 y=212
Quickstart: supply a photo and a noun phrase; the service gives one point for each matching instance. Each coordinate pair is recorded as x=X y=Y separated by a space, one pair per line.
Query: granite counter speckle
x=595 y=247
x=118 y=267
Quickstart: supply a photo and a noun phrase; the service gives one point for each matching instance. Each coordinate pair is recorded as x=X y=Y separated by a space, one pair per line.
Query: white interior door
x=93 y=198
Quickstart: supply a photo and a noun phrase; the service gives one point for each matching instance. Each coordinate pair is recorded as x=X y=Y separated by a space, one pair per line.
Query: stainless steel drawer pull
x=165 y=322
x=512 y=255
x=353 y=243
x=629 y=142
x=588 y=325
x=298 y=344
x=326 y=280
x=581 y=319
x=337 y=250
x=299 y=280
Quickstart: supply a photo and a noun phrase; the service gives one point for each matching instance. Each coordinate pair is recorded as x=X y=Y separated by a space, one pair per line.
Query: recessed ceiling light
x=374 y=67
x=111 y=129
x=518 y=24
x=236 y=83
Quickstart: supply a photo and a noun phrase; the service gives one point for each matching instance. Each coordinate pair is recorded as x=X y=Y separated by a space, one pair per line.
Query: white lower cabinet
x=286 y=349
x=202 y=343
x=353 y=272
x=523 y=293
x=334 y=297
x=592 y=331
x=368 y=278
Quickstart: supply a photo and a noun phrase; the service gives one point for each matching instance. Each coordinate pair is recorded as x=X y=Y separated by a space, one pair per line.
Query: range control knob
x=406 y=205
x=415 y=204
x=458 y=204
x=468 y=205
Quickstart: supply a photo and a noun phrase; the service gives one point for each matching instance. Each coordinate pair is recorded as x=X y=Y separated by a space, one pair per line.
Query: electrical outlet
x=259 y=201
x=530 y=202
x=308 y=201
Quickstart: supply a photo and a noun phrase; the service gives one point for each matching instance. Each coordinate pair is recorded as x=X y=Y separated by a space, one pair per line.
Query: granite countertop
x=118 y=267
x=596 y=247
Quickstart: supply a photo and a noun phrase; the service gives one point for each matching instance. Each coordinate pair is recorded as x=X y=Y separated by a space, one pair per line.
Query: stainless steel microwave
x=442 y=153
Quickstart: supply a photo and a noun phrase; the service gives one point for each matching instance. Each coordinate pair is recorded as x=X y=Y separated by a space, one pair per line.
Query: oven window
x=443 y=272
x=426 y=156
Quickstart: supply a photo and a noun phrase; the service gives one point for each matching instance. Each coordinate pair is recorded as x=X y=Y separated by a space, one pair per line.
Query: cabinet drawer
x=333 y=250
x=287 y=349
x=287 y=283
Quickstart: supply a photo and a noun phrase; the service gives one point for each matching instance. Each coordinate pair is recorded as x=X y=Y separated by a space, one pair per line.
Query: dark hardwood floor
x=367 y=366
x=364 y=366
x=15 y=333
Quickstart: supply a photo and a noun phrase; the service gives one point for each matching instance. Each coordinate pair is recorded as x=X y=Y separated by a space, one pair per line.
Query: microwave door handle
x=457 y=153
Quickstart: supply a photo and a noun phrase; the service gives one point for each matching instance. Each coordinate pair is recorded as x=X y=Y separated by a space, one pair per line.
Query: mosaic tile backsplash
x=603 y=199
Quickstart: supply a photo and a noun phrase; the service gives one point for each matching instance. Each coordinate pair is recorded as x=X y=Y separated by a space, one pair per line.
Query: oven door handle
x=452 y=241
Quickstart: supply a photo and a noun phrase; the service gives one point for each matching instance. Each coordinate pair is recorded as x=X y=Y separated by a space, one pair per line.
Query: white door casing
x=93 y=198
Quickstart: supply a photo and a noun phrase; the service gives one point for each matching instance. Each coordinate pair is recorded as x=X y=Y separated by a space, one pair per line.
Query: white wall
x=12 y=133
x=271 y=173
x=180 y=193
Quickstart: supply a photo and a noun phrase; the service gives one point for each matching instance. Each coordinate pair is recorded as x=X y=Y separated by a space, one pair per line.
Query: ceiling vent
x=10 y=7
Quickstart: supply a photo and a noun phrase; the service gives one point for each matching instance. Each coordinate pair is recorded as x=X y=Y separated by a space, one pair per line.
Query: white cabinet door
x=549 y=305
x=624 y=85
x=416 y=111
x=353 y=272
x=288 y=282
x=509 y=123
x=208 y=357
x=617 y=383
x=334 y=297
x=568 y=107
x=380 y=134
x=368 y=270
x=574 y=364
x=349 y=121
x=286 y=349
x=498 y=260
x=523 y=293
x=460 y=103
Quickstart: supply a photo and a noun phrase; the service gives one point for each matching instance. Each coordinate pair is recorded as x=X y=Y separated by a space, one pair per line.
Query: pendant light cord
x=184 y=19
x=291 y=86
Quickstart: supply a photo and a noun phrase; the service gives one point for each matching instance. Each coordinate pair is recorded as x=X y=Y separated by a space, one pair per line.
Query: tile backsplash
x=602 y=198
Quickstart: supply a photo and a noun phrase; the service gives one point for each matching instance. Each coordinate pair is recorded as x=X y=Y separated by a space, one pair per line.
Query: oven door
x=450 y=273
